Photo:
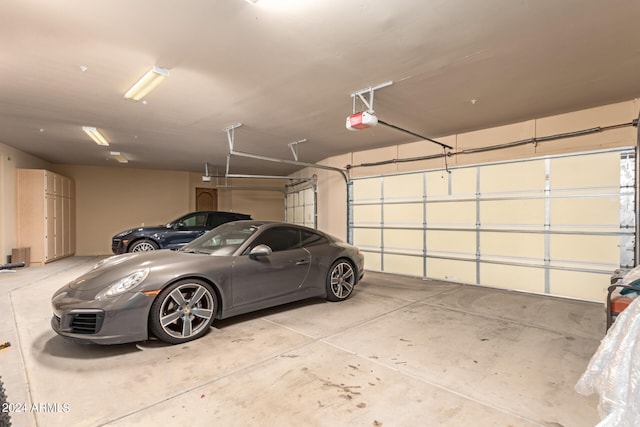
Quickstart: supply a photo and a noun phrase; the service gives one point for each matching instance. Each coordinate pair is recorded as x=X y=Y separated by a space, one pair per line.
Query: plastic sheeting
x=614 y=372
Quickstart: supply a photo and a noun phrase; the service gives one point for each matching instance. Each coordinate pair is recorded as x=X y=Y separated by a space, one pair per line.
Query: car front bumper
x=114 y=321
x=118 y=246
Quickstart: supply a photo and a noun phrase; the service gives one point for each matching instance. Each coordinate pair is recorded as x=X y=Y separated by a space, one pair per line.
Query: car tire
x=143 y=246
x=183 y=311
x=340 y=280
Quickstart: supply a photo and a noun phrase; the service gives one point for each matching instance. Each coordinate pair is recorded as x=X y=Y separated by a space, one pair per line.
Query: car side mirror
x=259 y=251
x=178 y=226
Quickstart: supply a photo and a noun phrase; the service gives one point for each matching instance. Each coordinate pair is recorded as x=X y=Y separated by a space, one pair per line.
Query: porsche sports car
x=236 y=268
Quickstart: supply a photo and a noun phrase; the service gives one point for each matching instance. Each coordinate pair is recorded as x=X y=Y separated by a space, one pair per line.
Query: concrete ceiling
x=286 y=70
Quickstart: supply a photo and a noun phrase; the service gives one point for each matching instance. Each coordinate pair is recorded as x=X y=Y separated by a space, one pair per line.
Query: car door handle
x=302 y=262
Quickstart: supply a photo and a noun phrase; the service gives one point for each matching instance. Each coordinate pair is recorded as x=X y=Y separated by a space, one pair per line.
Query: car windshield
x=222 y=240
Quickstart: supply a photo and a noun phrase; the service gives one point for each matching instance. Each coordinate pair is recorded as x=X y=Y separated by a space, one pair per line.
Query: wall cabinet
x=45 y=214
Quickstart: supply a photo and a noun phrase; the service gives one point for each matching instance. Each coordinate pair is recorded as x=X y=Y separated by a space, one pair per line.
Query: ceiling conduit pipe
x=505 y=145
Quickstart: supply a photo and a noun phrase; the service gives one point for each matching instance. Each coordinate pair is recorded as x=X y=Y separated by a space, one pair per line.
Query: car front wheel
x=143 y=246
x=340 y=280
x=183 y=311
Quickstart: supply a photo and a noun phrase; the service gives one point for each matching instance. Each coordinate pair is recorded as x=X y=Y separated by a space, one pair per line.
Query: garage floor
x=399 y=352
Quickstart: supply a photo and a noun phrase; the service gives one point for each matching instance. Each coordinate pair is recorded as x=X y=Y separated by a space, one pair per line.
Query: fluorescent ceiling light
x=119 y=156
x=147 y=83
x=95 y=135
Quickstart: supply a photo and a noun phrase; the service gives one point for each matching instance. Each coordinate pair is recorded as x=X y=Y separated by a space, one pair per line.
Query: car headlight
x=123 y=285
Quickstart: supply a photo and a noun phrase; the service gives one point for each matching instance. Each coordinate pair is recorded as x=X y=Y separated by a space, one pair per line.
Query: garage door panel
x=410 y=240
x=454 y=184
x=602 y=213
x=367 y=215
x=449 y=269
x=451 y=214
x=581 y=285
x=372 y=260
x=452 y=242
x=496 y=246
x=505 y=213
x=586 y=171
x=404 y=214
x=367 y=190
x=403 y=187
x=517 y=177
x=366 y=238
x=603 y=251
x=403 y=264
x=528 y=279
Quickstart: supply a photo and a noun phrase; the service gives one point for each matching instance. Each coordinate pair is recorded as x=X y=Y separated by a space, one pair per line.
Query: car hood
x=162 y=265
x=147 y=230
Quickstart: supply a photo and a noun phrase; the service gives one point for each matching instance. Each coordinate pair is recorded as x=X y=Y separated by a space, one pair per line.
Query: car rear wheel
x=340 y=280
x=183 y=311
x=143 y=246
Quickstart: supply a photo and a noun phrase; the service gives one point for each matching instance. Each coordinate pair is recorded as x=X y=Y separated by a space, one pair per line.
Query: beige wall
x=262 y=199
x=332 y=204
x=112 y=199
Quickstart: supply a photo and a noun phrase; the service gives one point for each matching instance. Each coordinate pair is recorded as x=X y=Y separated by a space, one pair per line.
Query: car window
x=310 y=238
x=224 y=240
x=279 y=239
x=216 y=219
x=197 y=220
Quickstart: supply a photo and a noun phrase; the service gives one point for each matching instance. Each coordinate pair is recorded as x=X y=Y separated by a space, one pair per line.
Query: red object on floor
x=620 y=303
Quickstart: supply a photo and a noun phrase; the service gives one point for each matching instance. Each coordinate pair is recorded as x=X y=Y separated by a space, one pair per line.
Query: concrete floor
x=399 y=352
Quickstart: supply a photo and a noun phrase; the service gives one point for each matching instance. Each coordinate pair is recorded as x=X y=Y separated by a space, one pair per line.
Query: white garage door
x=301 y=207
x=556 y=225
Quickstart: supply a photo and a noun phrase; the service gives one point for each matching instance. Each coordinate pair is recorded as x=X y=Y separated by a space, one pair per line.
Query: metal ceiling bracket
x=231 y=135
x=368 y=102
x=294 y=147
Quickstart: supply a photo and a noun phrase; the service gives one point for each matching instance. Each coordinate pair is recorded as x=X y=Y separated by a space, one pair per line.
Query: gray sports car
x=236 y=268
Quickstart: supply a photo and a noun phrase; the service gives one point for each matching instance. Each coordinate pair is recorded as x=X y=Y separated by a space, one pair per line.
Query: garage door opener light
x=147 y=83
x=364 y=119
x=95 y=135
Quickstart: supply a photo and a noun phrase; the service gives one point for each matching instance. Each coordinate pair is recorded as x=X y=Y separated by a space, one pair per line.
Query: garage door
x=556 y=225
x=301 y=207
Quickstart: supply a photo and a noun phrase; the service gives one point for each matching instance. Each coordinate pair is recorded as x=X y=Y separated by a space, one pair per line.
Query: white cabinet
x=45 y=214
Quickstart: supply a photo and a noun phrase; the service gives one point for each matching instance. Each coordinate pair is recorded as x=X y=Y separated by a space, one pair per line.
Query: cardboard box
x=21 y=255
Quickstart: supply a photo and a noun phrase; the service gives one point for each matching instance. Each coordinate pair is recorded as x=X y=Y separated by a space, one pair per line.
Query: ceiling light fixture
x=252 y=1
x=119 y=156
x=147 y=83
x=95 y=135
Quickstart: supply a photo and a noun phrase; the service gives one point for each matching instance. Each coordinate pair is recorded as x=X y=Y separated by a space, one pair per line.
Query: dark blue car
x=173 y=235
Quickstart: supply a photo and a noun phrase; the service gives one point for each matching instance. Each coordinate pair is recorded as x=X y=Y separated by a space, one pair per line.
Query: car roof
x=217 y=212
x=271 y=224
